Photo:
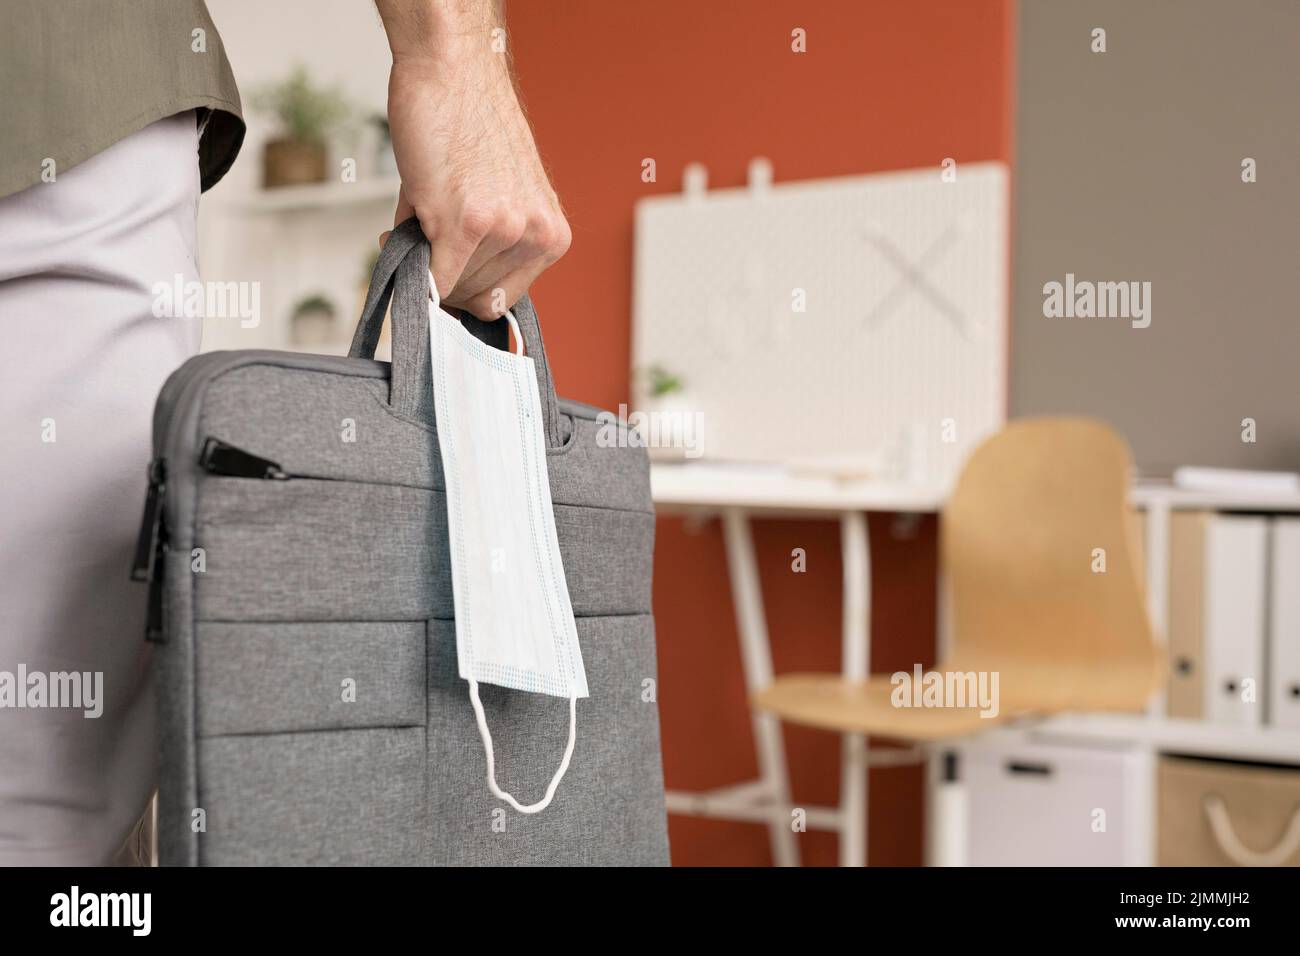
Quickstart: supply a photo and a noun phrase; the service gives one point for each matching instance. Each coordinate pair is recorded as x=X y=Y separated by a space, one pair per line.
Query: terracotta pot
x=291 y=162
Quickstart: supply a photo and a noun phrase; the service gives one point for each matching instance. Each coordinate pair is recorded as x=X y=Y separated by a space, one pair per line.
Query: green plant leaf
x=306 y=113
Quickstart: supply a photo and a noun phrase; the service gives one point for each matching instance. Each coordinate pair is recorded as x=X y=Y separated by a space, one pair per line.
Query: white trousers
x=82 y=357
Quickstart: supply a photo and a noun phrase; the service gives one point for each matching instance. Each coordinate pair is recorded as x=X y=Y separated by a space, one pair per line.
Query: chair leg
x=853 y=800
x=756 y=655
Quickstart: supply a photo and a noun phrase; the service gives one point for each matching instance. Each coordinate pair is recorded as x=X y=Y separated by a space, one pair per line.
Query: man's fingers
x=487 y=247
x=492 y=303
x=545 y=240
x=494 y=272
x=482 y=229
x=505 y=233
x=447 y=260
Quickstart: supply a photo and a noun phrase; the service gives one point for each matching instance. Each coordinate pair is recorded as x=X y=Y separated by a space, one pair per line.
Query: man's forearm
x=470 y=169
x=429 y=29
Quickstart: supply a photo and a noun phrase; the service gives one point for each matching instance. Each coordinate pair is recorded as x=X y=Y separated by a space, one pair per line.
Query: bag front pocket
x=311 y=743
x=321 y=798
x=314 y=550
x=258 y=678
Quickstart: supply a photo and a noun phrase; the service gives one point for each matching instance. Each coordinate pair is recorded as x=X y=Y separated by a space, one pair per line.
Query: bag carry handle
x=401 y=275
x=1224 y=834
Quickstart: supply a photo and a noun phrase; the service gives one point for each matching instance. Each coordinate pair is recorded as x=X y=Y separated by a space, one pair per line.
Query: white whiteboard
x=899 y=359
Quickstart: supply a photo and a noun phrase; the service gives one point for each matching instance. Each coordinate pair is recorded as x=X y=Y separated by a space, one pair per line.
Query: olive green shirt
x=76 y=76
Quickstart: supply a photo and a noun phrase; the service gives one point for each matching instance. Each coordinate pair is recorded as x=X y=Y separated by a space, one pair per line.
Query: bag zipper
x=216 y=458
x=151 y=548
x=221 y=458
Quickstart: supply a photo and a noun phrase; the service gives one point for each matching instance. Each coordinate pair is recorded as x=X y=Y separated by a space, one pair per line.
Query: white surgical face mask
x=514 y=622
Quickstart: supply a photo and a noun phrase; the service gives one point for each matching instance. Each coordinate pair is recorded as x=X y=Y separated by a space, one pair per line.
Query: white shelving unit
x=1154 y=730
x=293 y=241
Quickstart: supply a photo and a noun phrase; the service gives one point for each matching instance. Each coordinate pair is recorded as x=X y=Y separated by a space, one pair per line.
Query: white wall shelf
x=292 y=242
x=313 y=197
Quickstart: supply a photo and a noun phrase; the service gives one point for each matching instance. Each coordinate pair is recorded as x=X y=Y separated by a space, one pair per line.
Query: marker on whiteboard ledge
x=1241 y=480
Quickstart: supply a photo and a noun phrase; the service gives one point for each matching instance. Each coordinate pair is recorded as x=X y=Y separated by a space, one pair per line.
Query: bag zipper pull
x=151 y=546
x=151 y=524
x=220 y=458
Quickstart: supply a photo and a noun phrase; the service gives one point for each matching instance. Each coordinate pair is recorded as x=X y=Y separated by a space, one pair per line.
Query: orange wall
x=882 y=86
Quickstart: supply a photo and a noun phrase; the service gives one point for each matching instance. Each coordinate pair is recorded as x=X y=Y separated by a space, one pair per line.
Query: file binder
x=1284 y=625
x=1235 y=593
x=1187 y=531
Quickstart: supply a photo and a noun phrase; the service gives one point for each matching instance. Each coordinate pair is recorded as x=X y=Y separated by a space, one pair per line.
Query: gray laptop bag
x=295 y=540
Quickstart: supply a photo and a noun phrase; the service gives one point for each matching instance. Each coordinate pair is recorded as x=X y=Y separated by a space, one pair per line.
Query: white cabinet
x=1036 y=804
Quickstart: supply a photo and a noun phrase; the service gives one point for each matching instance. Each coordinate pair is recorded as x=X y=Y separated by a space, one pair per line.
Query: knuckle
x=564 y=239
x=477 y=220
x=552 y=236
x=511 y=227
x=487 y=305
x=482 y=220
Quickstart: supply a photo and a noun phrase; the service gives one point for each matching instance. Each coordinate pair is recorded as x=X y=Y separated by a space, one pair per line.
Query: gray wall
x=1129 y=168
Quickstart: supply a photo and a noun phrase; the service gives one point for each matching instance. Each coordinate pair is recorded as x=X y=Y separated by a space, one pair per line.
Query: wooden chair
x=1040 y=551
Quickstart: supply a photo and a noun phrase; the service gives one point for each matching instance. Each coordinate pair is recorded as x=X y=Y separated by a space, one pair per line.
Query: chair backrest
x=1040 y=551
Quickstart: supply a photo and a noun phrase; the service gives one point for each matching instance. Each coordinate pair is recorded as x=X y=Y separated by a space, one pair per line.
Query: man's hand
x=469 y=166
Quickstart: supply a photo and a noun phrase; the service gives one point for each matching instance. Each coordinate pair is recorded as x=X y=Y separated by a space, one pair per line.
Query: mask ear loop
x=485 y=735
x=436 y=303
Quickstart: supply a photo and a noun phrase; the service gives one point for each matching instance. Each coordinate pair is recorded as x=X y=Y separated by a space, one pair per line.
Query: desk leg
x=856 y=651
x=756 y=655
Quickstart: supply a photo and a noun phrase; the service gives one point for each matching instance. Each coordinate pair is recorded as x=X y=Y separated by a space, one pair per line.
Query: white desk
x=737 y=492
x=714 y=488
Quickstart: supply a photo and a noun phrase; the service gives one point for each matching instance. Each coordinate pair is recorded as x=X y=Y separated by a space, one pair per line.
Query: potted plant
x=671 y=425
x=308 y=115
x=313 y=325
